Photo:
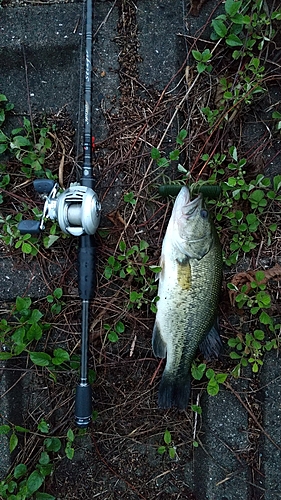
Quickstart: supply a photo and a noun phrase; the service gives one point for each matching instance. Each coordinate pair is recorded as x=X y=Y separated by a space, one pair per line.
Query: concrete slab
x=219 y=473
x=271 y=454
x=41 y=44
x=105 y=66
x=162 y=50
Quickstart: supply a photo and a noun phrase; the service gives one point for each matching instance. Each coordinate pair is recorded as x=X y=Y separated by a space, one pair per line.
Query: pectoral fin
x=212 y=344
x=158 y=345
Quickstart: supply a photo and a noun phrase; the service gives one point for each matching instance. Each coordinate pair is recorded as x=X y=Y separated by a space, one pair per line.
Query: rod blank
x=87 y=251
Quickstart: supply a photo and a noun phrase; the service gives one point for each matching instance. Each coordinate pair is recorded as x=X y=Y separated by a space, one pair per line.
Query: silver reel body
x=77 y=209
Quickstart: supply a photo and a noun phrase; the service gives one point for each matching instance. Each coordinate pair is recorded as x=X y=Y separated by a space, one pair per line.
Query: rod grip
x=83 y=405
x=86 y=267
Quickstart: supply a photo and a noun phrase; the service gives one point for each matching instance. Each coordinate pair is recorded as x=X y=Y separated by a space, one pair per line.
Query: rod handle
x=86 y=267
x=83 y=405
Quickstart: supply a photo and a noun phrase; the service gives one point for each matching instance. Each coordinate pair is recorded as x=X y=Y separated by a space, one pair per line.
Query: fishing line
x=81 y=90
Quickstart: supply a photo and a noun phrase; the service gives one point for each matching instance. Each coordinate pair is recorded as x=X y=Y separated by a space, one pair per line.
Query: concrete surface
x=51 y=36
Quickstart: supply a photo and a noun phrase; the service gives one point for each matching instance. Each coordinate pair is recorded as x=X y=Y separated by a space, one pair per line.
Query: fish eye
x=204 y=214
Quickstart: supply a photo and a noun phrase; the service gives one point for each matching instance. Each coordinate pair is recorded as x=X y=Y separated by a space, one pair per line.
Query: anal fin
x=158 y=345
x=211 y=345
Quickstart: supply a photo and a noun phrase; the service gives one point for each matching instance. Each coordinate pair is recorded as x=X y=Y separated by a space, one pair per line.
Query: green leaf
x=34 y=481
x=58 y=293
x=129 y=198
x=13 y=442
x=19 y=142
x=155 y=154
x=143 y=245
x=60 y=356
x=198 y=371
x=113 y=337
x=26 y=248
x=259 y=334
x=201 y=67
x=44 y=496
x=69 y=451
x=259 y=276
x=4 y=429
x=48 y=241
x=181 y=136
x=155 y=269
x=40 y=358
x=20 y=470
x=210 y=373
x=265 y=319
x=19 y=428
x=70 y=435
x=232 y=342
x=206 y=55
x=120 y=327
x=263 y=299
x=36 y=315
x=5 y=355
x=122 y=248
x=18 y=335
x=232 y=7
x=34 y=332
x=172 y=453
x=233 y=41
x=3 y=148
x=163 y=162
x=53 y=444
x=174 y=155
x=197 y=55
x=161 y=450
x=167 y=437
x=44 y=458
x=43 y=426
x=196 y=409
x=255 y=367
x=213 y=387
x=234 y=355
x=22 y=303
x=277 y=181
x=219 y=27
x=221 y=377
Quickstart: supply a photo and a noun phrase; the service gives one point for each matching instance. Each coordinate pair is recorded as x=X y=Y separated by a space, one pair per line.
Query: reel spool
x=77 y=209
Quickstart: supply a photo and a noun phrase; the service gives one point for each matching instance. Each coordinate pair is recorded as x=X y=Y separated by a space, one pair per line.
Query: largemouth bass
x=189 y=288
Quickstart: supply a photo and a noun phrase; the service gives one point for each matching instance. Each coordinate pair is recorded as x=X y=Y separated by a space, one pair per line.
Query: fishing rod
x=77 y=210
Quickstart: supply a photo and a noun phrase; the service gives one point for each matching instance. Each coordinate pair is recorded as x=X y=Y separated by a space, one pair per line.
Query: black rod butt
x=83 y=405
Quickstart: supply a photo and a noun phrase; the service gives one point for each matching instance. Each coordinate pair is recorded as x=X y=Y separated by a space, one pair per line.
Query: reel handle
x=29 y=227
x=43 y=186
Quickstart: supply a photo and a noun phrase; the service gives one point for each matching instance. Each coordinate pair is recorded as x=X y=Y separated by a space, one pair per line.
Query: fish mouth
x=190 y=206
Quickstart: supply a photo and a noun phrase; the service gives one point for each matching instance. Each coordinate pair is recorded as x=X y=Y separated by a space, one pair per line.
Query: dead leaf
x=116 y=218
x=195 y=7
x=247 y=277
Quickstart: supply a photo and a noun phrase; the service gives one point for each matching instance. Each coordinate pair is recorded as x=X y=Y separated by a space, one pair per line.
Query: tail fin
x=174 y=391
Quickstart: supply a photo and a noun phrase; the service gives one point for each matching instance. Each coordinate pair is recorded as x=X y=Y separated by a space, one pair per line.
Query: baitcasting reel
x=77 y=209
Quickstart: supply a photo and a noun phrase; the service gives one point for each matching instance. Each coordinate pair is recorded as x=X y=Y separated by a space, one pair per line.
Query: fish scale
x=189 y=287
